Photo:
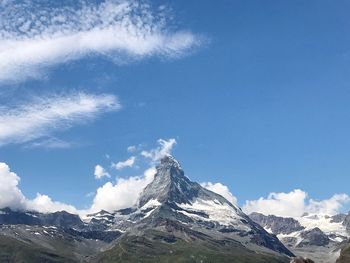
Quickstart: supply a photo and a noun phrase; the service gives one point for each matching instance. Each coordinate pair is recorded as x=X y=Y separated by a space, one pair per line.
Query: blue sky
x=255 y=93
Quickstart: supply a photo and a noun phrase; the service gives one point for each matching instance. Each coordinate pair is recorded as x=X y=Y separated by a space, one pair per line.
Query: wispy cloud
x=131 y=149
x=49 y=143
x=43 y=115
x=35 y=35
x=165 y=147
x=123 y=164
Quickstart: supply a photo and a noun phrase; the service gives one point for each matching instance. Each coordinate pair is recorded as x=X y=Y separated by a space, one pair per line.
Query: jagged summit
x=170 y=160
x=170 y=185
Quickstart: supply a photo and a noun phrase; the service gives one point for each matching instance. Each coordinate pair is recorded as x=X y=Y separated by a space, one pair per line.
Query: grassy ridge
x=12 y=250
x=160 y=247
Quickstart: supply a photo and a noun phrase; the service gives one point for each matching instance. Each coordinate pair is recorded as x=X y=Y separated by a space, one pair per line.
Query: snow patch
x=151 y=204
x=324 y=223
x=224 y=214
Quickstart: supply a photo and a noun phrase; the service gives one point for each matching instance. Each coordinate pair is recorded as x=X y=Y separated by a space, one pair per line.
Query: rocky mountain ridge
x=319 y=237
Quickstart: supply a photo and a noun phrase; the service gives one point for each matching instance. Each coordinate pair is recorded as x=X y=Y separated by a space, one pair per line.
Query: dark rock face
x=278 y=225
x=346 y=222
x=61 y=219
x=171 y=188
x=314 y=237
x=344 y=254
x=301 y=260
x=9 y=217
x=170 y=185
x=106 y=236
x=338 y=218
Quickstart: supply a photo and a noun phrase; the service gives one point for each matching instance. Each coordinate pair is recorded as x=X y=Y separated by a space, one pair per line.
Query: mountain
x=346 y=222
x=344 y=254
x=174 y=220
x=318 y=237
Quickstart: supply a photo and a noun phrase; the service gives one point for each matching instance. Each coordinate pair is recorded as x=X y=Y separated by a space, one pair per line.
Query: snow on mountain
x=326 y=223
x=316 y=236
x=222 y=213
x=171 y=209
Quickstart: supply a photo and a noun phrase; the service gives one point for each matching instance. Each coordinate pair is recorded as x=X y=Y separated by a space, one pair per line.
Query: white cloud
x=123 y=194
x=31 y=42
x=222 y=190
x=11 y=196
x=100 y=172
x=43 y=115
x=44 y=204
x=329 y=206
x=50 y=143
x=295 y=204
x=123 y=164
x=131 y=149
x=164 y=149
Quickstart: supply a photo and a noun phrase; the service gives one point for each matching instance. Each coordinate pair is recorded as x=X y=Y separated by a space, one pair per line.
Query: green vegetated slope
x=157 y=246
x=152 y=246
x=12 y=250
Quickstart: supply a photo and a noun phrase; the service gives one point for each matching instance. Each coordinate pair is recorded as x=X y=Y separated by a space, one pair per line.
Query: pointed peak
x=170 y=161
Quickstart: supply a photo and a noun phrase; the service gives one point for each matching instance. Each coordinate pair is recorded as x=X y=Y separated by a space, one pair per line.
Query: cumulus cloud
x=165 y=147
x=123 y=164
x=110 y=196
x=44 y=204
x=124 y=193
x=329 y=206
x=35 y=35
x=222 y=190
x=43 y=115
x=100 y=172
x=295 y=204
x=11 y=195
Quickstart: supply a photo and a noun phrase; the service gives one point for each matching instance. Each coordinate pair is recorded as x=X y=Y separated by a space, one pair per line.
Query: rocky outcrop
x=277 y=225
x=301 y=260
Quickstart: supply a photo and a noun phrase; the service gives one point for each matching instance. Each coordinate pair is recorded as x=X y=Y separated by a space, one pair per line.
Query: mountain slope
x=344 y=254
x=318 y=237
x=178 y=215
x=175 y=220
x=160 y=246
x=13 y=250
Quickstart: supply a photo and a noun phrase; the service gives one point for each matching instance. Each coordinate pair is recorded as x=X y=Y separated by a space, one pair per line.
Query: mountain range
x=174 y=220
x=316 y=236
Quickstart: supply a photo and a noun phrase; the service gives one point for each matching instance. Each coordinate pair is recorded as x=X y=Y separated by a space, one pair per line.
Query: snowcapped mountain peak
x=169 y=161
x=171 y=209
x=171 y=188
x=169 y=185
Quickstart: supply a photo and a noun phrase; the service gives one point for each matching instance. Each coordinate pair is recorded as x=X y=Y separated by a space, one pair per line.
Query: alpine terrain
x=175 y=220
x=316 y=236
